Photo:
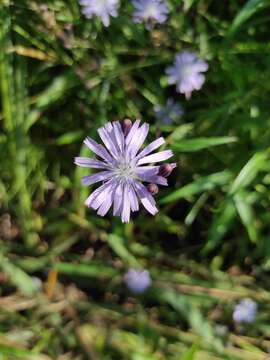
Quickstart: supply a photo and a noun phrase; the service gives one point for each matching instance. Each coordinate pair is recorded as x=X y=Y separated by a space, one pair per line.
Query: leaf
x=201 y=184
x=191 y=145
x=18 y=277
x=69 y=137
x=57 y=89
x=190 y=354
x=180 y=132
x=188 y=4
x=13 y=351
x=249 y=9
x=118 y=246
x=246 y=214
x=220 y=226
x=249 y=172
x=191 y=216
x=93 y=270
x=20 y=353
x=194 y=317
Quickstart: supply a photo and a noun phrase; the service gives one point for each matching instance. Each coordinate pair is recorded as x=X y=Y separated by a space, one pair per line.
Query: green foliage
x=62 y=76
x=249 y=9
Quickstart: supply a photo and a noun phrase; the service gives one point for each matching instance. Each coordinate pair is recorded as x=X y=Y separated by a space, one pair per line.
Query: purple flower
x=169 y=113
x=245 y=311
x=150 y=11
x=101 y=8
x=137 y=280
x=124 y=169
x=186 y=73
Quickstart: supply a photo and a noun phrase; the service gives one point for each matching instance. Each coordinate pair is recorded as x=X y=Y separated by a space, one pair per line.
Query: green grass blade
x=89 y=270
x=248 y=10
x=18 y=277
x=249 y=172
x=190 y=354
x=205 y=183
x=118 y=246
x=221 y=224
x=247 y=215
x=7 y=93
x=202 y=143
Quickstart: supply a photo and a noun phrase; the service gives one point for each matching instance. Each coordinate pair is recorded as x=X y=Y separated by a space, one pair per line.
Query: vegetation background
x=61 y=266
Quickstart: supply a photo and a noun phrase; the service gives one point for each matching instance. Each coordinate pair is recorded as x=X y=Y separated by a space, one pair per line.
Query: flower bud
x=126 y=126
x=165 y=170
x=153 y=189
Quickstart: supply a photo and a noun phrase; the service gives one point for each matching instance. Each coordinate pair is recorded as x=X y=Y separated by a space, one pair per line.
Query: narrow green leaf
x=199 y=185
x=191 y=216
x=18 y=277
x=6 y=70
x=181 y=304
x=55 y=91
x=249 y=172
x=191 y=145
x=188 y=4
x=220 y=226
x=249 y=9
x=12 y=351
x=118 y=246
x=89 y=270
x=246 y=214
x=190 y=354
x=69 y=137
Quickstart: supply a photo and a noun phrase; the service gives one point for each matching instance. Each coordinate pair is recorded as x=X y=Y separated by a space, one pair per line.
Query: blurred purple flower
x=137 y=280
x=169 y=113
x=101 y=8
x=245 y=311
x=186 y=73
x=123 y=169
x=150 y=11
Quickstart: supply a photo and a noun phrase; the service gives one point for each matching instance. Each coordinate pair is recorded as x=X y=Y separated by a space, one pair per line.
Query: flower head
x=124 y=169
x=150 y=11
x=137 y=280
x=169 y=113
x=101 y=8
x=186 y=73
x=245 y=311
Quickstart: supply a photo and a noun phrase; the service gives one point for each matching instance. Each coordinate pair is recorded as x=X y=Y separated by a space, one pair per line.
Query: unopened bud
x=126 y=126
x=165 y=170
x=153 y=189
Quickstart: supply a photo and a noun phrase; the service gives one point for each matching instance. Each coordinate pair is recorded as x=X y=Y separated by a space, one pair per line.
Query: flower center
x=186 y=71
x=150 y=11
x=125 y=169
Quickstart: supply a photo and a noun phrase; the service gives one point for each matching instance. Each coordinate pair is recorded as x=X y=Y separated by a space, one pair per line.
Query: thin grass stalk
x=14 y=112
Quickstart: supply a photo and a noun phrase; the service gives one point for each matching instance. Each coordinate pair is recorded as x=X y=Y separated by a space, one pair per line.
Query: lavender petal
x=89 y=201
x=159 y=156
x=118 y=135
x=151 y=147
x=118 y=200
x=125 y=216
x=106 y=137
x=101 y=197
x=90 y=163
x=105 y=206
x=92 y=179
x=134 y=204
x=132 y=132
x=138 y=140
x=146 y=198
x=156 y=179
x=98 y=149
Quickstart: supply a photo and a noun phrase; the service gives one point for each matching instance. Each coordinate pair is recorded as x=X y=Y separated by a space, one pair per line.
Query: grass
x=62 y=294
